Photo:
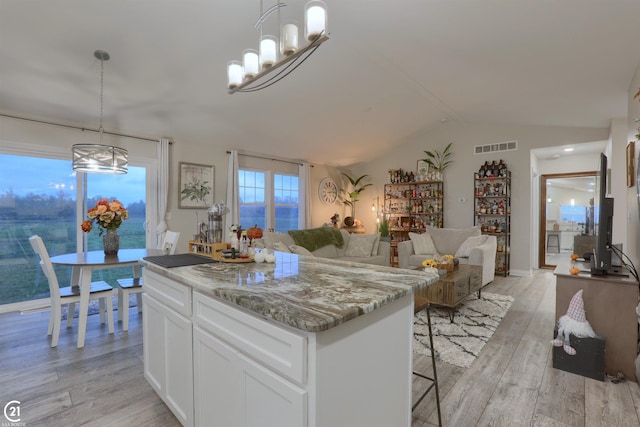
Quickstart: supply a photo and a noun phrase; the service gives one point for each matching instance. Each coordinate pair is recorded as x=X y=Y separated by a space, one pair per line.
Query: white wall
x=632 y=196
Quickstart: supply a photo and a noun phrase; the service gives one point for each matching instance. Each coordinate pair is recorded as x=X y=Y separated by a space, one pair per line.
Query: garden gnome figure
x=574 y=322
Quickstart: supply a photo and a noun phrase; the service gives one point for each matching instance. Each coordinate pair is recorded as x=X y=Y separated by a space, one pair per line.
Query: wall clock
x=328 y=191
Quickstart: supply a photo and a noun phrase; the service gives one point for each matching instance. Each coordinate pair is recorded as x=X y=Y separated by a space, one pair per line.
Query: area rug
x=460 y=342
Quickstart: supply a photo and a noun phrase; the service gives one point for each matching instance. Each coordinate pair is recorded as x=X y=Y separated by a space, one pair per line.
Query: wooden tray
x=237 y=260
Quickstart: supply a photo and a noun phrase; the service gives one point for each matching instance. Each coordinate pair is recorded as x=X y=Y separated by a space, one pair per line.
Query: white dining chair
x=133 y=285
x=69 y=295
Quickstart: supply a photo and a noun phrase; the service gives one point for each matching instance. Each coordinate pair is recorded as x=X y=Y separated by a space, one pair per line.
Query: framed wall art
x=631 y=151
x=195 y=186
x=422 y=167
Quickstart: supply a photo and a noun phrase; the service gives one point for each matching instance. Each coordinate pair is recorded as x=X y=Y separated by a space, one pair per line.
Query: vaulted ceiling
x=391 y=70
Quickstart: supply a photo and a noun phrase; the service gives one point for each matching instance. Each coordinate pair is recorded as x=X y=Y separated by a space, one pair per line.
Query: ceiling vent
x=492 y=148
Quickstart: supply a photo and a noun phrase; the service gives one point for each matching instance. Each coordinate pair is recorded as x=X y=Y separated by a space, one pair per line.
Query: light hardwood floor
x=511 y=383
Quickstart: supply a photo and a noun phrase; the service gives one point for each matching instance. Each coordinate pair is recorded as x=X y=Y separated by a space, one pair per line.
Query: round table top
x=94 y=258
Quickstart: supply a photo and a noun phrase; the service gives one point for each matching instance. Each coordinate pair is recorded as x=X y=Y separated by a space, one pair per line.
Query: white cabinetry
x=168 y=344
x=233 y=390
x=227 y=345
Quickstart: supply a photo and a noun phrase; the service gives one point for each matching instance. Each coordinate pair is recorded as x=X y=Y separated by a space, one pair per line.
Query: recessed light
x=568 y=149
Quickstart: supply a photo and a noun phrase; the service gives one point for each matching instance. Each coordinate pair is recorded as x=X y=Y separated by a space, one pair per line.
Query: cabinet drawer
x=460 y=289
x=276 y=348
x=174 y=295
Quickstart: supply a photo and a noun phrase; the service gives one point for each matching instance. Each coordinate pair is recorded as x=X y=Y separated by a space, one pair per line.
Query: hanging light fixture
x=274 y=54
x=99 y=158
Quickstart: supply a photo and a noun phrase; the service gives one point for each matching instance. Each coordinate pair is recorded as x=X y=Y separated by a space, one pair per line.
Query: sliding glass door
x=38 y=195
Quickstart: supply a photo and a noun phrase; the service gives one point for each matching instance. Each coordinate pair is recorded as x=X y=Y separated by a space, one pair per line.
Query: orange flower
x=108 y=215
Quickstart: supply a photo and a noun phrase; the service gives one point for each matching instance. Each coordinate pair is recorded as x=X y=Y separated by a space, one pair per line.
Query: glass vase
x=111 y=242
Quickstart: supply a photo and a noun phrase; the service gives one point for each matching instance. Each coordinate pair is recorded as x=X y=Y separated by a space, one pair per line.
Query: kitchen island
x=303 y=342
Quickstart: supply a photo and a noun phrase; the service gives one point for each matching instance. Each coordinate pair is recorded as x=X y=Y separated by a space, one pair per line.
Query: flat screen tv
x=603 y=227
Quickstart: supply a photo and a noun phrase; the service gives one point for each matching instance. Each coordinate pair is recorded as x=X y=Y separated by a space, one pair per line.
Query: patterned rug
x=460 y=342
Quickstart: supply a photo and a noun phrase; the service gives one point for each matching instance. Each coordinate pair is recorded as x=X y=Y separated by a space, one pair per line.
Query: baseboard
x=521 y=273
x=33 y=305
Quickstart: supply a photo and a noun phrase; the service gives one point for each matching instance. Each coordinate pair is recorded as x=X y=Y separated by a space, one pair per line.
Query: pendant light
x=100 y=158
x=276 y=58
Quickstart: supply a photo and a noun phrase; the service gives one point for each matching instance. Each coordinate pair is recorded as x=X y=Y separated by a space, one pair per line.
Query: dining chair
x=69 y=295
x=133 y=285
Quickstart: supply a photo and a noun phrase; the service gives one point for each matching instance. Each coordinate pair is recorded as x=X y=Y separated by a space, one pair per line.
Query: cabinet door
x=168 y=350
x=233 y=390
x=270 y=400
x=217 y=382
x=153 y=341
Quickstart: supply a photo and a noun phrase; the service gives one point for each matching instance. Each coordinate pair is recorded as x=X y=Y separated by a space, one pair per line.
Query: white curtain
x=304 y=205
x=163 y=188
x=233 y=200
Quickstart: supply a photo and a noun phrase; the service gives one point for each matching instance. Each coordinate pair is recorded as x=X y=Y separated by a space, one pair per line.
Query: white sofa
x=467 y=244
x=378 y=253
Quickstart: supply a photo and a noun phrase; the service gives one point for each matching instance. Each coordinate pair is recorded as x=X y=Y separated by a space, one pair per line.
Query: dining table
x=83 y=264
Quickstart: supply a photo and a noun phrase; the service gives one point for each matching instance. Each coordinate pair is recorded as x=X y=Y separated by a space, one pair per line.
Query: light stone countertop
x=307 y=293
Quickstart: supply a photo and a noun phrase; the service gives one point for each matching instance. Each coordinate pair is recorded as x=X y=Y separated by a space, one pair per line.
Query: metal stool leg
x=433 y=363
x=434 y=380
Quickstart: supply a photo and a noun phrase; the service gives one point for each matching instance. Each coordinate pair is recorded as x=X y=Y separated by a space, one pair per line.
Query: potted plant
x=439 y=160
x=384 y=229
x=350 y=198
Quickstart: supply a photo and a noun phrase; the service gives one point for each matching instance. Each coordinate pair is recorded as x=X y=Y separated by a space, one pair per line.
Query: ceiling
x=391 y=70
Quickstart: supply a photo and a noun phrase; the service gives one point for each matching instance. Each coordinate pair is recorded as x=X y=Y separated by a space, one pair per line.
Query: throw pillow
x=423 y=244
x=448 y=240
x=271 y=237
x=376 y=245
x=472 y=242
x=346 y=236
x=361 y=245
x=296 y=249
x=279 y=246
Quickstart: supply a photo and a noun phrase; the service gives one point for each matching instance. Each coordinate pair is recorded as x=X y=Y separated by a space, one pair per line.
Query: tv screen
x=603 y=227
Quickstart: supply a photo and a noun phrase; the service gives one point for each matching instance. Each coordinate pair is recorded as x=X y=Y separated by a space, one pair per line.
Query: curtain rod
x=269 y=158
x=82 y=128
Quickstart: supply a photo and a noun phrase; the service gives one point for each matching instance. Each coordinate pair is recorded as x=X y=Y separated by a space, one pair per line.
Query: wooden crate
x=209 y=249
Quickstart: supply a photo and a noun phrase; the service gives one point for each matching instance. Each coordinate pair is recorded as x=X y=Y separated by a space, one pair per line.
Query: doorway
x=566 y=216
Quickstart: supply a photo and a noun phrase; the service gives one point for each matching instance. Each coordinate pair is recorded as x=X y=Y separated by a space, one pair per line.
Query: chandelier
x=257 y=70
x=99 y=158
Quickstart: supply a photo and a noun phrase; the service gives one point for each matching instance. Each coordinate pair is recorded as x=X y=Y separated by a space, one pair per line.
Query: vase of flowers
x=111 y=242
x=108 y=215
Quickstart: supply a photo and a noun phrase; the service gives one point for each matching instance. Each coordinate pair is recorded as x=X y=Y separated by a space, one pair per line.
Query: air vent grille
x=492 y=148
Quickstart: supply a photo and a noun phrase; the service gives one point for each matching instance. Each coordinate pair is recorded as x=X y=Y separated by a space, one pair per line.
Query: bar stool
x=422 y=303
x=553 y=241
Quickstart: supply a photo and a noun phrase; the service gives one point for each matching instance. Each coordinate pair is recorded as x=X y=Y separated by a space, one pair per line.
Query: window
x=577 y=214
x=285 y=196
x=268 y=199
x=130 y=190
x=38 y=195
x=253 y=204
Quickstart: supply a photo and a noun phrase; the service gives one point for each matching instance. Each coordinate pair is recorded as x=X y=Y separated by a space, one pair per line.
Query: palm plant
x=350 y=198
x=439 y=160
